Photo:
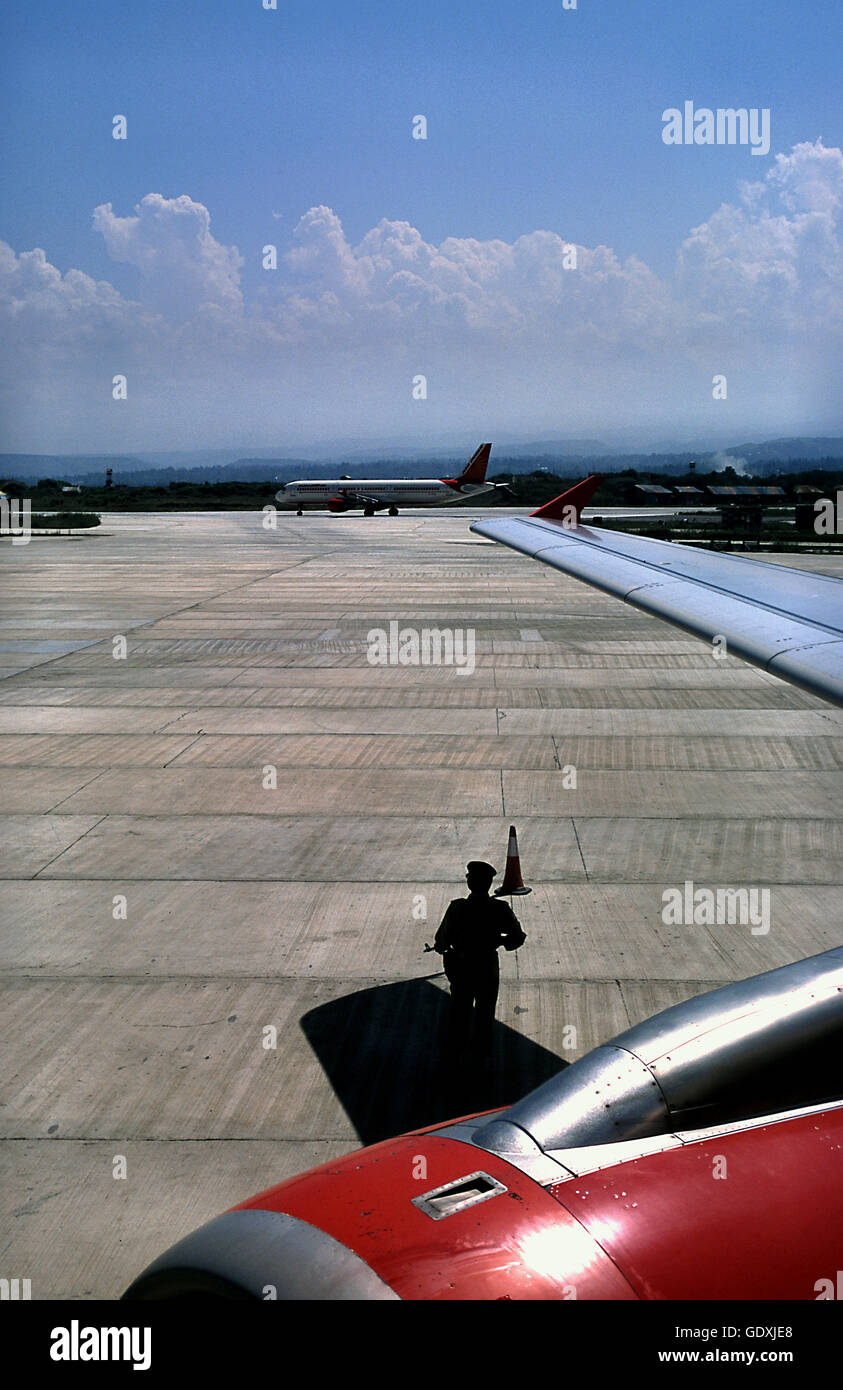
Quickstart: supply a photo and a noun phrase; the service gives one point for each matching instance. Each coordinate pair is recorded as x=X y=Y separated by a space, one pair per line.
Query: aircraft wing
x=788 y=621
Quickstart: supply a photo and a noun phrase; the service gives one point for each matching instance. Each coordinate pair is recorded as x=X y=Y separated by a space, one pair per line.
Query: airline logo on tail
x=475 y=469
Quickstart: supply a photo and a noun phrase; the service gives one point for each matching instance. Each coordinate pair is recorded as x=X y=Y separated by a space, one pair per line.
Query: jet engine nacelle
x=605 y=1183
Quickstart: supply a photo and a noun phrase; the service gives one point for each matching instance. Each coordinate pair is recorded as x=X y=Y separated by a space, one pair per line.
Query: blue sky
x=540 y=120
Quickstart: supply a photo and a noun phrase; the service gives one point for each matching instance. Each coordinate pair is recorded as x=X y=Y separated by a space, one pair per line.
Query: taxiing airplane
x=378 y=494
x=787 y=621
x=695 y=1156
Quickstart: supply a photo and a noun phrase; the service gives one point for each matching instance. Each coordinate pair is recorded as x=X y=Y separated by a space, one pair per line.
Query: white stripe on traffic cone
x=513 y=884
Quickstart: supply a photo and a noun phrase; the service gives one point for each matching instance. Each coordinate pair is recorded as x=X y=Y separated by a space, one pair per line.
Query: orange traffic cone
x=512 y=880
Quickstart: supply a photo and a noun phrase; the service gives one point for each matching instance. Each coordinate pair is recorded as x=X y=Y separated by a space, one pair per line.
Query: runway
x=243 y=825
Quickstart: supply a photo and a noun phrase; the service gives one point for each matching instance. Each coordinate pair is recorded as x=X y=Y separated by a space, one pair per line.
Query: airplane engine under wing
x=598 y=1185
x=752 y=1048
x=788 y=621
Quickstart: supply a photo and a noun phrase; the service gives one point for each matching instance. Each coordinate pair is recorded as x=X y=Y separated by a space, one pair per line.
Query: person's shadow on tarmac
x=387 y=1054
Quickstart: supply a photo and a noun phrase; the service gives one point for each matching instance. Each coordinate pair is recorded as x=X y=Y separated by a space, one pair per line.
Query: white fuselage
x=383 y=492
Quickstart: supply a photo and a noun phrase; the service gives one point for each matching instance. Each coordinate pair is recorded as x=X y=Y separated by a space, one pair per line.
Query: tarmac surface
x=223 y=852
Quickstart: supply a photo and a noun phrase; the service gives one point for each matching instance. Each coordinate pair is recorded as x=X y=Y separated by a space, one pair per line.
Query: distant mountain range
x=218 y=466
x=783 y=450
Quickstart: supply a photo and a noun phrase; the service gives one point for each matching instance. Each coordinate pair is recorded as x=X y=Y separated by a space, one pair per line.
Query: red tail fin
x=475 y=469
x=577 y=497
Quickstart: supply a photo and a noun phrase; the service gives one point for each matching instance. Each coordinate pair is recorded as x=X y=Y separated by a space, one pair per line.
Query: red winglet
x=577 y=496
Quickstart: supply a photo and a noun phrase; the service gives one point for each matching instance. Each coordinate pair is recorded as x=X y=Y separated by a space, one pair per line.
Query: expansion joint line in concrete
x=353 y=1142
x=175 y=756
x=337 y=981
x=65 y=848
x=623 y=1001
x=175 y=719
x=76 y=790
x=356 y=882
x=719 y=950
x=579 y=847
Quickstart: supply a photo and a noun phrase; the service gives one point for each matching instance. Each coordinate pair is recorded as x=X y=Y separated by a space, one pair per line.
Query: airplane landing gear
x=368 y=511
x=299 y=512
x=393 y=511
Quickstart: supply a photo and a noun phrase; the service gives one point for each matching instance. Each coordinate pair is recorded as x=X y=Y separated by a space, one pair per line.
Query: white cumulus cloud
x=184 y=270
x=505 y=332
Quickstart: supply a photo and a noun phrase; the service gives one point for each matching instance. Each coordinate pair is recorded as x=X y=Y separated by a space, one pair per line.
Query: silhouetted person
x=468 y=939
